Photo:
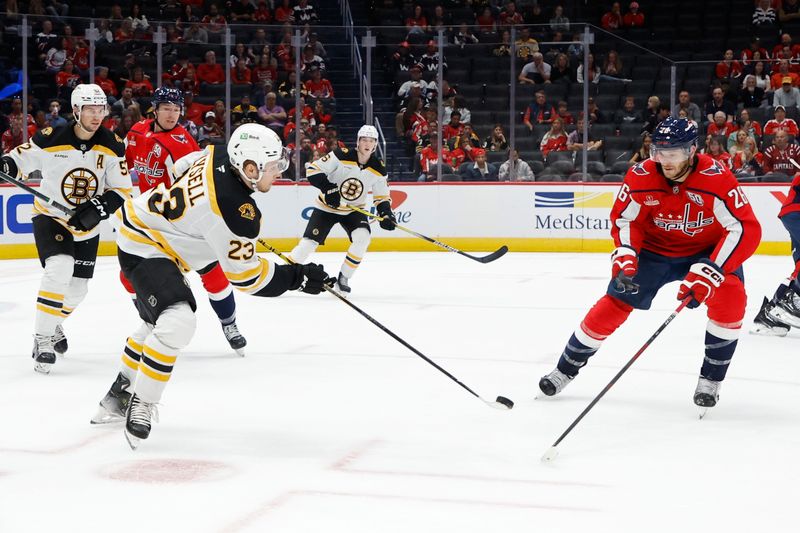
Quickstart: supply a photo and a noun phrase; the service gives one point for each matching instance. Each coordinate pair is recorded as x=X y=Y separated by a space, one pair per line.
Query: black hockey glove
x=312 y=279
x=332 y=196
x=89 y=214
x=8 y=166
x=389 y=221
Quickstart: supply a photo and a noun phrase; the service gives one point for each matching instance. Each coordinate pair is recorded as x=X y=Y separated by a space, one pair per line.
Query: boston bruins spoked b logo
x=79 y=185
x=351 y=189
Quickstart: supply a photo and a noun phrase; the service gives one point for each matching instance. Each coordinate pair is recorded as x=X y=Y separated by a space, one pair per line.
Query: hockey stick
x=8 y=179
x=497 y=254
x=552 y=453
x=500 y=403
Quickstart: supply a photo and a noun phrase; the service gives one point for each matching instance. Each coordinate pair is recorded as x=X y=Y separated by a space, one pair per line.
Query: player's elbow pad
x=284 y=278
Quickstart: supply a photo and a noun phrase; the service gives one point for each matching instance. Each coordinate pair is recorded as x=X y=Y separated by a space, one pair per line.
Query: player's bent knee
x=303 y=249
x=727 y=305
x=78 y=288
x=606 y=315
x=58 y=269
x=176 y=325
x=360 y=237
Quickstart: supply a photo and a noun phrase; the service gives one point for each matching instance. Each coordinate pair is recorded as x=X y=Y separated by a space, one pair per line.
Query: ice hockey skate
x=764 y=324
x=554 y=382
x=706 y=395
x=235 y=339
x=787 y=309
x=342 y=285
x=140 y=416
x=113 y=406
x=60 y=341
x=43 y=354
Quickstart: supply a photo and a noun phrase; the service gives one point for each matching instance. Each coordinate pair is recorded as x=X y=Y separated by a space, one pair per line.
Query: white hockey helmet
x=87 y=94
x=367 y=131
x=259 y=144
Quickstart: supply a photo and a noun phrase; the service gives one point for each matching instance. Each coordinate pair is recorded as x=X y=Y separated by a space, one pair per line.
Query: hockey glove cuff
x=389 y=221
x=333 y=197
x=699 y=284
x=311 y=279
x=89 y=214
x=624 y=266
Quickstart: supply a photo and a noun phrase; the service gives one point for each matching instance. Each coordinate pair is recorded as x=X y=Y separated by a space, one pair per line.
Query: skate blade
x=240 y=352
x=42 y=368
x=133 y=441
x=703 y=412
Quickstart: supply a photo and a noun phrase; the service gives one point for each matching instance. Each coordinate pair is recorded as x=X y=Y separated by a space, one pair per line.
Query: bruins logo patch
x=247 y=211
x=47 y=131
x=351 y=189
x=79 y=185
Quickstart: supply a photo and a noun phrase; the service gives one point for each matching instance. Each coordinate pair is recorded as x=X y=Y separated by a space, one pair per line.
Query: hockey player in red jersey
x=678 y=216
x=153 y=146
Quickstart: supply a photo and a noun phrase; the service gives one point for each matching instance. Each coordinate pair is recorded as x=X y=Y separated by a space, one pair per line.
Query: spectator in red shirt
x=721 y=125
x=140 y=85
x=612 y=20
x=780 y=122
x=210 y=72
x=417 y=23
x=214 y=23
x=755 y=46
x=779 y=156
x=241 y=75
x=510 y=16
x=66 y=80
x=555 y=139
x=633 y=18
x=776 y=80
x=266 y=70
x=486 y=22
x=715 y=150
x=12 y=137
x=786 y=40
x=178 y=70
x=454 y=128
x=262 y=14
x=728 y=67
x=320 y=115
x=108 y=86
x=193 y=110
x=124 y=33
x=317 y=86
x=283 y=13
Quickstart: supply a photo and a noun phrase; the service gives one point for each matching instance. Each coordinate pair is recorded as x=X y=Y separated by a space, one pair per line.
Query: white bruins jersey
x=341 y=167
x=73 y=170
x=206 y=215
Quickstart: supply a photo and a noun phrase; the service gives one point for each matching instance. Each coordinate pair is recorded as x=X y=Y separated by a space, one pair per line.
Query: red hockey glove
x=700 y=282
x=624 y=265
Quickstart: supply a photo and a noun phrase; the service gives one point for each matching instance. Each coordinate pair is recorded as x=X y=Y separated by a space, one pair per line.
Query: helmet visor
x=278 y=166
x=670 y=155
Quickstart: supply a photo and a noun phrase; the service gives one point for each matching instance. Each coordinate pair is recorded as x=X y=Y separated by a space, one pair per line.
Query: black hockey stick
x=552 y=453
x=497 y=254
x=8 y=179
x=500 y=403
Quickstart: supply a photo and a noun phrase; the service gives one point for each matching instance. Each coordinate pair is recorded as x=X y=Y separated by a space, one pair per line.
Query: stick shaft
x=27 y=188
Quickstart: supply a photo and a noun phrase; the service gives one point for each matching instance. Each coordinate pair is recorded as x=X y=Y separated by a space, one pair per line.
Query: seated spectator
x=209 y=131
x=780 y=122
x=719 y=103
x=683 y=114
x=195 y=34
x=751 y=95
x=595 y=114
x=613 y=20
x=539 y=111
x=53 y=117
x=654 y=120
x=480 y=170
x=644 y=149
x=716 y=152
x=510 y=16
x=720 y=125
x=305 y=110
x=628 y=114
x=304 y=13
x=46 y=39
x=108 y=86
x=319 y=48
x=290 y=130
x=555 y=139
x=784 y=71
x=284 y=12
x=55 y=58
x=786 y=40
x=241 y=74
x=245 y=112
x=125 y=101
x=486 y=21
x=319 y=87
x=241 y=12
x=575 y=138
x=559 y=23
x=535 y=72
x=787 y=95
x=14 y=135
x=454 y=128
x=214 y=22
x=737 y=142
x=416 y=78
x=241 y=54
x=210 y=71
x=429 y=158
x=193 y=111
x=177 y=70
x=417 y=23
x=789 y=15
x=561 y=71
x=515 y=169
x=764 y=15
x=612 y=68
x=266 y=70
x=272 y=115
x=760 y=70
x=467 y=142
x=189 y=81
x=141 y=86
x=728 y=68
x=526 y=45
x=430 y=59
x=752 y=127
x=67 y=80
x=754 y=48
x=464 y=36
x=496 y=141
x=633 y=18
x=594 y=71
x=287 y=88
x=262 y=14
x=311 y=60
x=503 y=48
x=124 y=33
x=321 y=116
x=782 y=155
x=564 y=114
x=460 y=104
x=748 y=162
x=685 y=102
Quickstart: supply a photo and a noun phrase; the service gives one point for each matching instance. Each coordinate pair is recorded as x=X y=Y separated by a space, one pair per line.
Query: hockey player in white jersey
x=82 y=166
x=344 y=178
x=206 y=215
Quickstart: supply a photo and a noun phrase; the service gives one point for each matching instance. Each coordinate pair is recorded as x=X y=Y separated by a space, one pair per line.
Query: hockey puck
x=505 y=401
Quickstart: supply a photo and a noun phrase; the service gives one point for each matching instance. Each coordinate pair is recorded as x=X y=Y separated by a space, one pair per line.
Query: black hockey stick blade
x=497 y=254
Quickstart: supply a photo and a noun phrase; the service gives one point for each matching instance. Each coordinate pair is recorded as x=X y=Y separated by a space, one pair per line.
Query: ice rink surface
x=329 y=425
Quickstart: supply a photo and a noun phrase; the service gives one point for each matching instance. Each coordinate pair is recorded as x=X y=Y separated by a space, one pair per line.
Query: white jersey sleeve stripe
x=627 y=216
x=734 y=228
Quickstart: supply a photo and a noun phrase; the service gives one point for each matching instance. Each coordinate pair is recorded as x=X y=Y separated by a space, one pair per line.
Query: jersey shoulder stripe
x=108 y=139
x=232 y=198
x=376 y=165
x=343 y=154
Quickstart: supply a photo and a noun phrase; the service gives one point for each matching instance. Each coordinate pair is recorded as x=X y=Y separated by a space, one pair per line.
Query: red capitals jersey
x=151 y=155
x=707 y=211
